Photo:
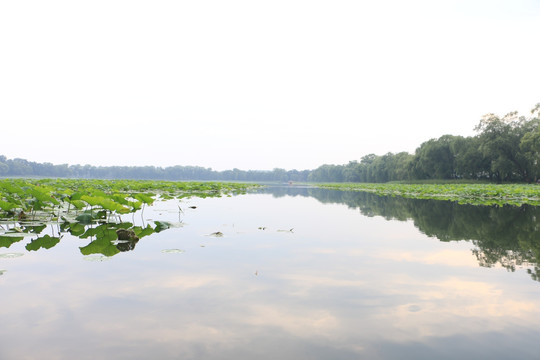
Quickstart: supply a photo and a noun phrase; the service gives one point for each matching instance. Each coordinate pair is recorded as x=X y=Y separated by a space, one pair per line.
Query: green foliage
x=7 y=241
x=30 y=204
x=21 y=167
x=503 y=140
x=86 y=218
x=475 y=194
x=506 y=149
x=7 y=206
x=162 y=225
x=144 y=198
x=45 y=242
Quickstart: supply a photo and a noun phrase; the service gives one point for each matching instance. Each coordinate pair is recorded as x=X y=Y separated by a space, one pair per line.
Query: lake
x=285 y=272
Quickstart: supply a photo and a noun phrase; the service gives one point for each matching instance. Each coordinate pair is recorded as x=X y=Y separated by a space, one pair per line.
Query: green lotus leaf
x=7 y=241
x=124 y=225
x=75 y=229
x=45 y=242
x=135 y=205
x=42 y=195
x=105 y=203
x=100 y=246
x=12 y=188
x=140 y=232
x=121 y=199
x=145 y=198
x=162 y=225
x=76 y=196
x=105 y=231
x=6 y=206
x=79 y=204
x=91 y=200
x=85 y=218
x=33 y=227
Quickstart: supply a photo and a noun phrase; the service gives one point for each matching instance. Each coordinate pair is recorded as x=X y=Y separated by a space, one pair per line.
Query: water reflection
x=340 y=286
x=506 y=236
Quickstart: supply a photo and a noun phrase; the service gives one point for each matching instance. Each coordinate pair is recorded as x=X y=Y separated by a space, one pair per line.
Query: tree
x=470 y=162
x=435 y=159
x=500 y=140
x=530 y=145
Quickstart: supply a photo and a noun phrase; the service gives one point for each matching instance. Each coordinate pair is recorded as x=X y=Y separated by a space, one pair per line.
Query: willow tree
x=500 y=141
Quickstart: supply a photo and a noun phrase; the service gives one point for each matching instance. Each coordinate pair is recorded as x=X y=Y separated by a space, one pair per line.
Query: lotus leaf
x=45 y=242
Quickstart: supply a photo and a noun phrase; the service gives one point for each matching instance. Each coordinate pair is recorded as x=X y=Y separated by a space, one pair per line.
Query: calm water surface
x=358 y=277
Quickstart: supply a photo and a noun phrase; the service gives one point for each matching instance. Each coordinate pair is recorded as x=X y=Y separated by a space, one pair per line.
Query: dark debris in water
x=216 y=234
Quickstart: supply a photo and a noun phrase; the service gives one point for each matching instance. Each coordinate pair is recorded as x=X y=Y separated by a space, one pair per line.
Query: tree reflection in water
x=504 y=235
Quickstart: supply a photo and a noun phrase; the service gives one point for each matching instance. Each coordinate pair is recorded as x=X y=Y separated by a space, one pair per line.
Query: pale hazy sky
x=256 y=84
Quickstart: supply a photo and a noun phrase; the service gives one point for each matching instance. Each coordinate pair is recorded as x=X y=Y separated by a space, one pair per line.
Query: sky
x=252 y=84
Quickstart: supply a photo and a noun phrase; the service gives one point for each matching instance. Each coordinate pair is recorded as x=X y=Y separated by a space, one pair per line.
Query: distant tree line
x=25 y=168
x=505 y=149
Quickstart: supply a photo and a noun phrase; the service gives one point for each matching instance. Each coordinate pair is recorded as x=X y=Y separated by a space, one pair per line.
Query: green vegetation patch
x=22 y=199
x=474 y=194
x=90 y=209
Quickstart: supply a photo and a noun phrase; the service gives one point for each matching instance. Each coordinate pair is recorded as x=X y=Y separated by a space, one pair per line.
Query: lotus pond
x=475 y=194
x=138 y=270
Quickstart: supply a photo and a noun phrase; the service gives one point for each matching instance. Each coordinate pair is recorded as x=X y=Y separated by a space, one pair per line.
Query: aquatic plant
x=90 y=209
x=474 y=194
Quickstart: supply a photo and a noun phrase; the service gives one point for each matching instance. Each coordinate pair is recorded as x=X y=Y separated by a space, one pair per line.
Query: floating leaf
x=143 y=232
x=34 y=227
x=10 y=255
x=104 y=234
x=172 y=251
x=75 y=229
x=85 y=218
x=162 y=225
x=105 y=231
x=7 y=241
x=45 y=242
x=96 y=258
x=100 y=246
